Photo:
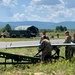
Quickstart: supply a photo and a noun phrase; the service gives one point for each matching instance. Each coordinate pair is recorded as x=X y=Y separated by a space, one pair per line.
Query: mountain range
x=40 y=25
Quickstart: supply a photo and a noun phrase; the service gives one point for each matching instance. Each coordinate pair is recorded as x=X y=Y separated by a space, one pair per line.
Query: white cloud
x=46 y=2
x=40 y=10
x=44 y=10
x=62 y=1
x=68 y=3
x=6 y=7
x=18 y=16
x=8 y=3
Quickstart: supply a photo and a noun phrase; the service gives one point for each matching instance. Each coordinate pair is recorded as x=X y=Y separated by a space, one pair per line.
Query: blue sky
x=37 y=10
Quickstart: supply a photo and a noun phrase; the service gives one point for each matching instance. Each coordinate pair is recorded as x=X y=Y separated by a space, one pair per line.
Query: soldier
x=44 y=35
x=46 y=46
x=73 y=47
x=68 y=37
x=55 y=48
x=68 y=49
x=46 y=49
x=73 y=39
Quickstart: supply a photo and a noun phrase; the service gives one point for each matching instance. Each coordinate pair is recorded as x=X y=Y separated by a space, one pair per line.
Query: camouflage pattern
x=44 y=37
x=73 y=41
x=46 y=49
x=68 y=49
x=68 y=52
x=68 y=39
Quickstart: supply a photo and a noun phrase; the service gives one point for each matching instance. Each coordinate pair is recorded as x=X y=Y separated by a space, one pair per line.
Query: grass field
x=60 y=67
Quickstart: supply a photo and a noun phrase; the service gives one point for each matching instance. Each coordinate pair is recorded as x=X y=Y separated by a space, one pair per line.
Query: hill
x=40 y=25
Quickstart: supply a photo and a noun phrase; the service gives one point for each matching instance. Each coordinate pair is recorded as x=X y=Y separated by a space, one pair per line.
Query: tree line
x=61 y=28
x=57 y=28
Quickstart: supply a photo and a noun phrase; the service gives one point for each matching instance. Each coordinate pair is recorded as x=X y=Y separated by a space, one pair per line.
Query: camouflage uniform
x=57 y=50
x=68 y=49
x=44 y=37
x=46 y=49
x=73 y=47
x=73 y=40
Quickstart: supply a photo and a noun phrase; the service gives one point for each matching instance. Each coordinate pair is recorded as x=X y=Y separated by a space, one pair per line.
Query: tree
x=65 y=29
x=57 y=28
x=61 y=28
x=7 y=28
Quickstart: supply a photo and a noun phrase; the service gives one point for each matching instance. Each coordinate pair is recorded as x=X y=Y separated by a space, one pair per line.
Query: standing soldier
x=73 y=41
x=68 y=49
x=44 y=35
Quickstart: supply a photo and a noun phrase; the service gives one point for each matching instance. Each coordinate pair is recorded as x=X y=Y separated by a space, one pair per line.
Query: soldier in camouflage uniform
x=44 y=35
x=55 y=48
x=73 y=41
x=68 y=49
x=46 y=49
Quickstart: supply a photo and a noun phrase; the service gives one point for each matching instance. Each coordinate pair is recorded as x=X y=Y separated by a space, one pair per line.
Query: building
x=23 y=31
x=23 y=27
